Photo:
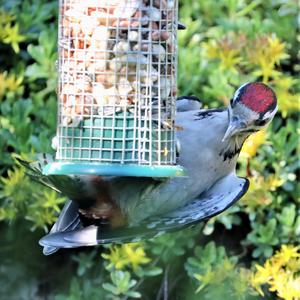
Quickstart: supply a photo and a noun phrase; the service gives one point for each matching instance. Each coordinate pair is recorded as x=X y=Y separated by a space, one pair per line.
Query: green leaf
x=111 y=288
x=134 y=294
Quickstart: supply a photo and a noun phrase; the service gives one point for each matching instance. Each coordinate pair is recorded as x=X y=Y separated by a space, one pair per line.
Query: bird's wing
x=186 y=103
x=218 y=198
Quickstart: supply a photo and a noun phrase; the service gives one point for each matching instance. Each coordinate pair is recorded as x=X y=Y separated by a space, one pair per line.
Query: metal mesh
x=117 y=81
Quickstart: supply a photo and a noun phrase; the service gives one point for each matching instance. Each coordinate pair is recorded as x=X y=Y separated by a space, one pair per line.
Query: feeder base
x=68 y=168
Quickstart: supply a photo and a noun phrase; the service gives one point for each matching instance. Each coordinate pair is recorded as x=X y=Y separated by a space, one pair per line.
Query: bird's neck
x=233 y=147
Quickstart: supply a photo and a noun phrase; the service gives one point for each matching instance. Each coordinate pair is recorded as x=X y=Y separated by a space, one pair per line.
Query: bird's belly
x=178 y=191
x=200 y=156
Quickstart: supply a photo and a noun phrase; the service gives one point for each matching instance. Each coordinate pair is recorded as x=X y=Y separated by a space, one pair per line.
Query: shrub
x=248 y=252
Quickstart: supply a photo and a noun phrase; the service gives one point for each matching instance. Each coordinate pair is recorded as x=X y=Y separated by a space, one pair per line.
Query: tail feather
x=70 y=186
x=34 y=171
x=68 y=221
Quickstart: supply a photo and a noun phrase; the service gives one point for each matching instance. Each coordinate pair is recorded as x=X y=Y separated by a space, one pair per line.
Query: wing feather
x=214 y=201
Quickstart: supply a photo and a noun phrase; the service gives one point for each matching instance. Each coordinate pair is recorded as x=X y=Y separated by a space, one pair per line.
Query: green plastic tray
x=111 y=145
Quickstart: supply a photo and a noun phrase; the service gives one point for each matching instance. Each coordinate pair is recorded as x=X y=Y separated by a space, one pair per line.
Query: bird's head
x=252 y=108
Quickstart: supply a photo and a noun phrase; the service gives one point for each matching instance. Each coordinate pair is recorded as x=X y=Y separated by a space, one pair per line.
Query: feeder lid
x=73 y=168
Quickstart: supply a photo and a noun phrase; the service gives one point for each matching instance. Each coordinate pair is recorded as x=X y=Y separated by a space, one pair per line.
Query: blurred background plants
x=249 y=252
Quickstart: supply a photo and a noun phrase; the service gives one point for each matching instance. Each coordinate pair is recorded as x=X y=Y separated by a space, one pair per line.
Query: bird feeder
x=117 y=88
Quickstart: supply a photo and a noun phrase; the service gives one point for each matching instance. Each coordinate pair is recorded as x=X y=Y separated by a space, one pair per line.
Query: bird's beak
x=233 y=128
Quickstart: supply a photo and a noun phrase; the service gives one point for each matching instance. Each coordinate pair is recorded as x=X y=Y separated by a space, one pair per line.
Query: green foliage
x=45 y=55
x=217 y=275
x=83 y=289
x=172 y=245
x=121 y=285
x=226 y=43
x=19 y=197
x=10 y=31
x=85 y=262
x=217 y=55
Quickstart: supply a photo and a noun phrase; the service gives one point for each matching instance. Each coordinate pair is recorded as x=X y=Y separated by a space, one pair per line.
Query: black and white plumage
x=122 y=209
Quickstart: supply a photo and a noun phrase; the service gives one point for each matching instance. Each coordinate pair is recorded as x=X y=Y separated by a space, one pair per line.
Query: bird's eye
x=261 y=122
x=243 y=125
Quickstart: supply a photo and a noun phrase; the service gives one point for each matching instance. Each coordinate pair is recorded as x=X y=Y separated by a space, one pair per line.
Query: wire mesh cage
x=117 y=87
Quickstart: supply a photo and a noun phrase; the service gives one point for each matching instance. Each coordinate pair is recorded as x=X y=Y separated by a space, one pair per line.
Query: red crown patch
x=258 y=97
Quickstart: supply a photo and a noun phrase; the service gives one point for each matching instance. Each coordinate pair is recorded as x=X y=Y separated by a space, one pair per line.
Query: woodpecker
x=123 y=209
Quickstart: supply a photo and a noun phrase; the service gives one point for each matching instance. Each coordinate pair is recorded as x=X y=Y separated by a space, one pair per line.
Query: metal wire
x=117 y=81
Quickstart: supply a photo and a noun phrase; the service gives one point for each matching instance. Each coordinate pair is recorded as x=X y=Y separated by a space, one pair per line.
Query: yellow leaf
x=287 y=101
x=131 y=255
x=276 y=49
